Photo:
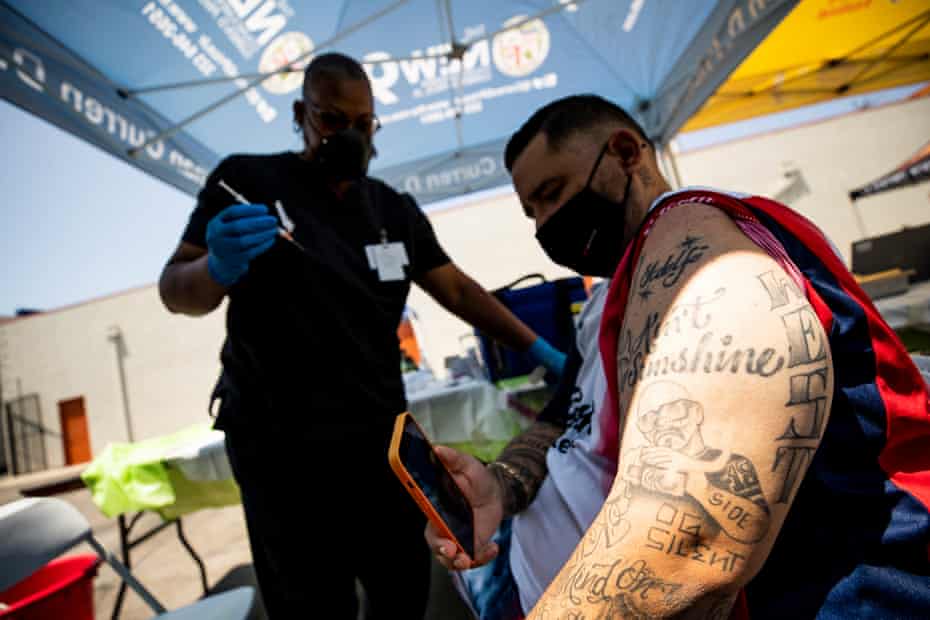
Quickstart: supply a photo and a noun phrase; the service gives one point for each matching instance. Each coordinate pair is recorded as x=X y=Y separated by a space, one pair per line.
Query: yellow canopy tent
x=825 y=49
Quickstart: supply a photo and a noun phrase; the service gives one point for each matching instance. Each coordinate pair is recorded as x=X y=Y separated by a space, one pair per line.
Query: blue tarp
x=452 y=78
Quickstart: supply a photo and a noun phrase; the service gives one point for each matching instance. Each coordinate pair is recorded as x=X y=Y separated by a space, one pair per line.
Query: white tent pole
x=673 y=160
x=663 y=165
x=671 y=166
x=859 y=221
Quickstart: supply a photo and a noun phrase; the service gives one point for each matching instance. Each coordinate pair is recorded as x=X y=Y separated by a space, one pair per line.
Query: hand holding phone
x=432 y=486
x=483 y=491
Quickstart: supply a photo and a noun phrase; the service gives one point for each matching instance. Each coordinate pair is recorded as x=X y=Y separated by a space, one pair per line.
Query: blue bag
x=548 y=308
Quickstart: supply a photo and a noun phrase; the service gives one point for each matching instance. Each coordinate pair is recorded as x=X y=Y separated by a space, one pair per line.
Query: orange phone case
x=410 y=484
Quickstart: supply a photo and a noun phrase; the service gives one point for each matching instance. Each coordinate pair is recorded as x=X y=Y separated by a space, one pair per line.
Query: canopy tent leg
x=669 y=165
x=456 y=53
x=663 y=166
x=860 y=223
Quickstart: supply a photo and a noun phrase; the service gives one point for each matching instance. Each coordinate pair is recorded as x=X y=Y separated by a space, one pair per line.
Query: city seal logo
x=283 y=51
x=523 y=49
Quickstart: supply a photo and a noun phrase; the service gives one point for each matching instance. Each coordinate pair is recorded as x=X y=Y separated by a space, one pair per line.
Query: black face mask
x=586 y=233
x=344 y=155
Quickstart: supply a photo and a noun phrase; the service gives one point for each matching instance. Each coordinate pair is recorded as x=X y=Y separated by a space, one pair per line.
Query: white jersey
x=580 y=471
x=579 y=478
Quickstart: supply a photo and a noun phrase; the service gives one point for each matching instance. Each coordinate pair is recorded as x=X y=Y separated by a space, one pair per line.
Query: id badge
x=389 y=260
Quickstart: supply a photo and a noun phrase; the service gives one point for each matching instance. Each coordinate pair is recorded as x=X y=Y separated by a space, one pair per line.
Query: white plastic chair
x=34 y=531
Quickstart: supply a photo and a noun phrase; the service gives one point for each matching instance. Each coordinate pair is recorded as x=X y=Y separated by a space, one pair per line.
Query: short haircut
x=563 y=118
x=333 y=66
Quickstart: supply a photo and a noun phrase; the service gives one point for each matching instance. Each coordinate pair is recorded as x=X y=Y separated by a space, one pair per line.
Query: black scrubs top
x=312 y=336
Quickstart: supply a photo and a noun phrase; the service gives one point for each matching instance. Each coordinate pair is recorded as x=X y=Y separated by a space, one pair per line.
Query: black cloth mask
x=344 y=155
x=586 y=233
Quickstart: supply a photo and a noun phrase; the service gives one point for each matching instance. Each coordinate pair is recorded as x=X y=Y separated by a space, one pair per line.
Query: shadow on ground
x=444 y=601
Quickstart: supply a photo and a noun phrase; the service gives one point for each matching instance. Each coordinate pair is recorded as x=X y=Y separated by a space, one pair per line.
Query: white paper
x=390 y=259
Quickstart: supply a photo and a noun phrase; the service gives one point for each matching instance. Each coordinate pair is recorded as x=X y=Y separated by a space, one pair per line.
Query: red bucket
x=63 y=588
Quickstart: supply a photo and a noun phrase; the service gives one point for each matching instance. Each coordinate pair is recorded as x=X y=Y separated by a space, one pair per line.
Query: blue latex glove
x=234 y=237
x=548 y=356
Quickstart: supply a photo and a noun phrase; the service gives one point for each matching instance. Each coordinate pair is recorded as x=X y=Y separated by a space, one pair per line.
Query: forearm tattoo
x=521 y=467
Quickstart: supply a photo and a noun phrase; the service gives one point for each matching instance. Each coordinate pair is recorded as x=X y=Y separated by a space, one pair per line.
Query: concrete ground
x=165 y=568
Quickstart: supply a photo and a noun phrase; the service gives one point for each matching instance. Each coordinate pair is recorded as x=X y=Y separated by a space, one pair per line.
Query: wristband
x=519 y=496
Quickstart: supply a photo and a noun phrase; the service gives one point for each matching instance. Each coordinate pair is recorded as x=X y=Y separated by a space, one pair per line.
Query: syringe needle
x=242 y=200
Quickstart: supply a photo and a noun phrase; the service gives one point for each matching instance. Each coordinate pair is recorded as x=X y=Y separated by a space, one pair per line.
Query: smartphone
x=430 y=483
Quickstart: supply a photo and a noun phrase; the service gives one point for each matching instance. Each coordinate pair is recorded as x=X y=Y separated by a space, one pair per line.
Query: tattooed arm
x=726 y=378
x=521 y=467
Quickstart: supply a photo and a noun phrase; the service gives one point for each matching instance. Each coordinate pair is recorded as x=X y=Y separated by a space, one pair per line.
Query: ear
x=299 y=111
x=627 y=146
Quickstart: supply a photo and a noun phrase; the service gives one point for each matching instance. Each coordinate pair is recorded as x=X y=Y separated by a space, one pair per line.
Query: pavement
x=168 y=571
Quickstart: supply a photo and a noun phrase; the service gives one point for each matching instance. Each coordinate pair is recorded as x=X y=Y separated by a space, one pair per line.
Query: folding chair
x=34 y=531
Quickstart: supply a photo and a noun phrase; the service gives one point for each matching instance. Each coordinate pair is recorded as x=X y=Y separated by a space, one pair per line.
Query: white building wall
x=171 y=364
x=834 y=157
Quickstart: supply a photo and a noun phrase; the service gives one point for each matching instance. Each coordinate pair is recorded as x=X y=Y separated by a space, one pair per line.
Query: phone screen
x=438 y=485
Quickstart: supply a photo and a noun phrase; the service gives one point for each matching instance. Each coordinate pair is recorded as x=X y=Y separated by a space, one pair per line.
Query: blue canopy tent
x=172 y=86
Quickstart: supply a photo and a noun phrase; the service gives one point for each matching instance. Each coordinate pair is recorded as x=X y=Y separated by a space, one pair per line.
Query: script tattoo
x=711 y=352
x=621 y=585
x=677 y=463
x=807 y=386
x=624 y=584
x=633 y=350
x=669 y=271
x=690 y=314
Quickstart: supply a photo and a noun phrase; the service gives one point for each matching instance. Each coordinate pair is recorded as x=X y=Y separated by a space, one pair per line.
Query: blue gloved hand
x=548 y=356
x=234 y=237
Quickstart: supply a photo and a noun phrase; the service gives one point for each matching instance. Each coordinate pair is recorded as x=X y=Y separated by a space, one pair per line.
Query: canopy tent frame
x=174 y=129
x=456 y=51
x=777 y=84
x=661 y=91
x=868 y=48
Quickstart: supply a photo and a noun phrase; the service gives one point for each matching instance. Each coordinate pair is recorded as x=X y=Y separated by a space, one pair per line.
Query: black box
x=906 y=249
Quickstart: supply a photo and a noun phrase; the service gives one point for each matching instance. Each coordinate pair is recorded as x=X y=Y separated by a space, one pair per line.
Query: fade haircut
x=565 y=117
x=333 y=66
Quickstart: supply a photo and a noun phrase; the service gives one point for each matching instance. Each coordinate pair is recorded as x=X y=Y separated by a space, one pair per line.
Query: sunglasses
x=332 y=121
